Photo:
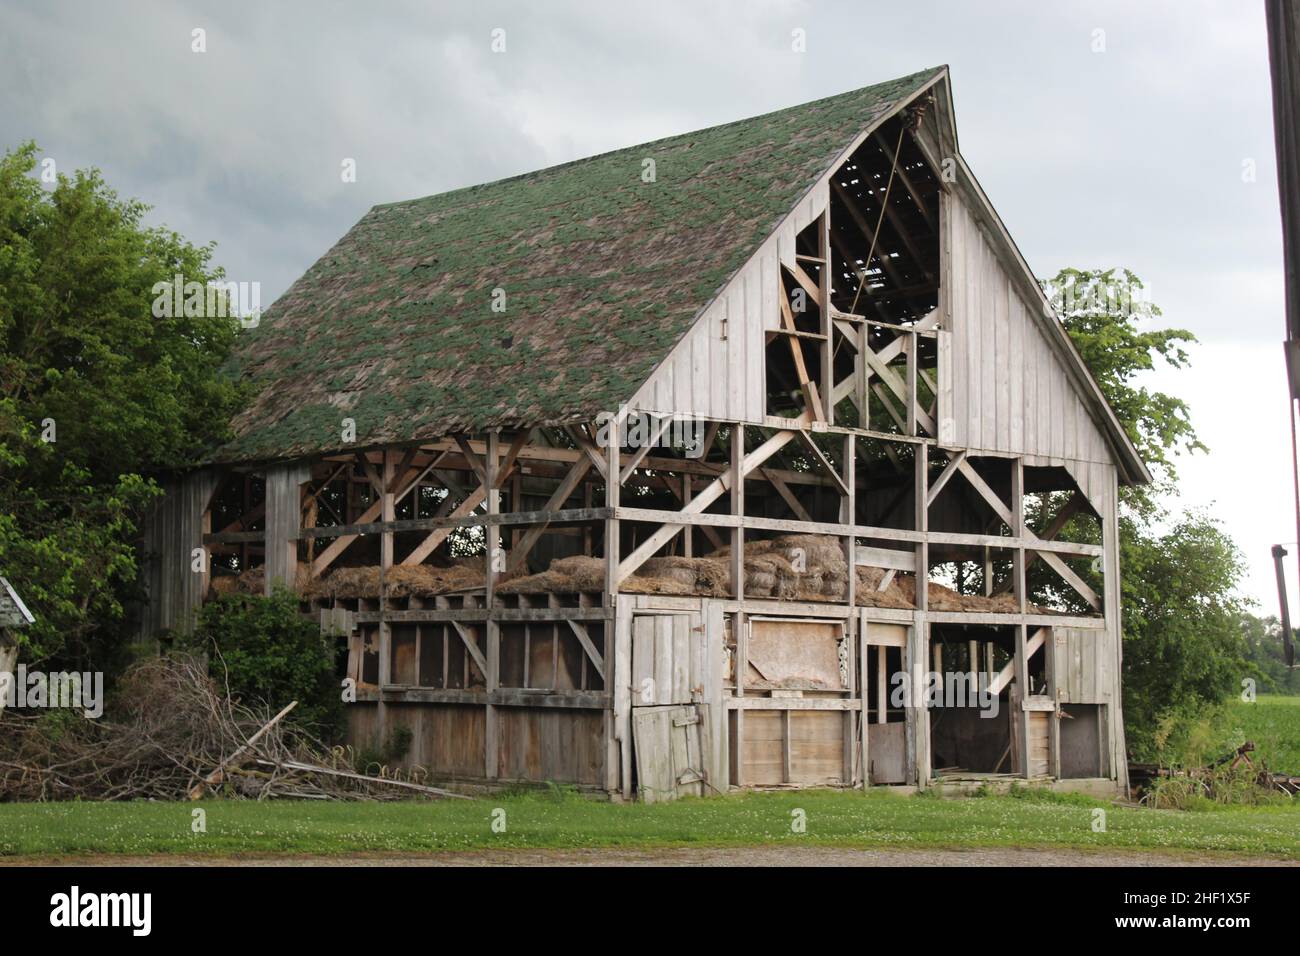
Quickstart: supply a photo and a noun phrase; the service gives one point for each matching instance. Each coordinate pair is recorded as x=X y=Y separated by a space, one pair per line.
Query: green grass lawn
x=1273 y=723
x=560 y=820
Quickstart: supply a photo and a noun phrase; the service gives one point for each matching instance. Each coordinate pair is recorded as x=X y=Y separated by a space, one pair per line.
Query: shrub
x=265 y=650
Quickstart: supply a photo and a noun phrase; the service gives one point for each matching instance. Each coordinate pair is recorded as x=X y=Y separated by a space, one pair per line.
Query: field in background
x=1273 y=723
x=565 y=820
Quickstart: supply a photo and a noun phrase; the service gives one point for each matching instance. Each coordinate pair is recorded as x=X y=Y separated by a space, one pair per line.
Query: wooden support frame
x=715 y=490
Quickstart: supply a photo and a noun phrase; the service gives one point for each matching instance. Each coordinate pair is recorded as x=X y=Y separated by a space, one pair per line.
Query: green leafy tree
x=1265 y=653
x=1105 y=314
x=97 y=394
x=1184 y=646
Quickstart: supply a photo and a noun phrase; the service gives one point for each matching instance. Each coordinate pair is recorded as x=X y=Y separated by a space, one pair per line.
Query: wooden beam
x=635 y=461
x=899 y=388
x=811 y=395
x=711 y=493
x=580 y=632
x=777 y=482
x=1067 y=511
x=589 y=448
x=470 y=645
x=806 y=440
x=472 y=457
x=1004 y=676
x=805 y=280
x=512 y=454
x=946 y=475
x=435 y=538
x=988 y=494
x=561 y=494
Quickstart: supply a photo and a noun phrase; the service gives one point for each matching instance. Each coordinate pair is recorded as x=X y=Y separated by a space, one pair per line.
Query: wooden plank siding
x=1010 y=390
x=171 y=531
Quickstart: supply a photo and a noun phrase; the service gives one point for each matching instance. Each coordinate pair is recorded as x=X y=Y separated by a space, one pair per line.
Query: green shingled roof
x=603 y=273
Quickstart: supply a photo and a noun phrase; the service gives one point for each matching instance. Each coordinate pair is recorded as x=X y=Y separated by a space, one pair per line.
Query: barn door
x=669 y=752
x=666 y=658
x=667 y=726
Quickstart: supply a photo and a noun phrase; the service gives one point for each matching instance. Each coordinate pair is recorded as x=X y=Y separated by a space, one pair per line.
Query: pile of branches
x=172 y=733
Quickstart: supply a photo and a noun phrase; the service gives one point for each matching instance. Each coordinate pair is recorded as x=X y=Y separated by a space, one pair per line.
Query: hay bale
x=564 y=576
x=682 y=571
x=869 y=594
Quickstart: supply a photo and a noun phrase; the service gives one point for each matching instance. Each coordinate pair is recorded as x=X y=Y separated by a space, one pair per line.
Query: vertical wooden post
x=786 y=746
x=492 y=628
x=882 y=684
x=864 y=751
x=862 y=398
x=714 y=696
x=386 y=513
x=1054 y=718
x=688 y=546
x=921 y=490
x=612 y=466
x=1114 y=630
x=1018 y=590
x=918 y=714
x=1021 y=715
x=618 y=673
x=1018 y=532
x=738 y=510
x=738 y=579
x=916 y=661
x=848 y=515
x=912 y=398
x=827 y=385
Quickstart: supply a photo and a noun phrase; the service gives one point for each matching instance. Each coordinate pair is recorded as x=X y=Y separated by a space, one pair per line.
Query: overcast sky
x=1137 y=155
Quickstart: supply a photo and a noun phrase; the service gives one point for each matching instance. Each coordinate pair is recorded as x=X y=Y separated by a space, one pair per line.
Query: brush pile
x=171 y=732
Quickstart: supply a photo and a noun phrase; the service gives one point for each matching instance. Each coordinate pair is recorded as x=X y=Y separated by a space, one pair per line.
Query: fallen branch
x=387 y=781
x=214 y=778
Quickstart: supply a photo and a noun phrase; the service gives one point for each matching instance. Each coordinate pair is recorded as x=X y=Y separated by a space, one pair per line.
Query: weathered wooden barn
x=623 y=474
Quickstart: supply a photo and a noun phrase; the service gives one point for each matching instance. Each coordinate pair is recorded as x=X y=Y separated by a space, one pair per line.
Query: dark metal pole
x=1279 y=553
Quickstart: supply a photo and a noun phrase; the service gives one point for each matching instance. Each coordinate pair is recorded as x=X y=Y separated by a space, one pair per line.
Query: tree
x=1103 y=312
x=97 y=395
x=1184 y=646
x=1264 y=652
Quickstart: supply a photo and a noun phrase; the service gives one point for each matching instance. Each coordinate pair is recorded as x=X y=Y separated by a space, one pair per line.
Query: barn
x=724 y=461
